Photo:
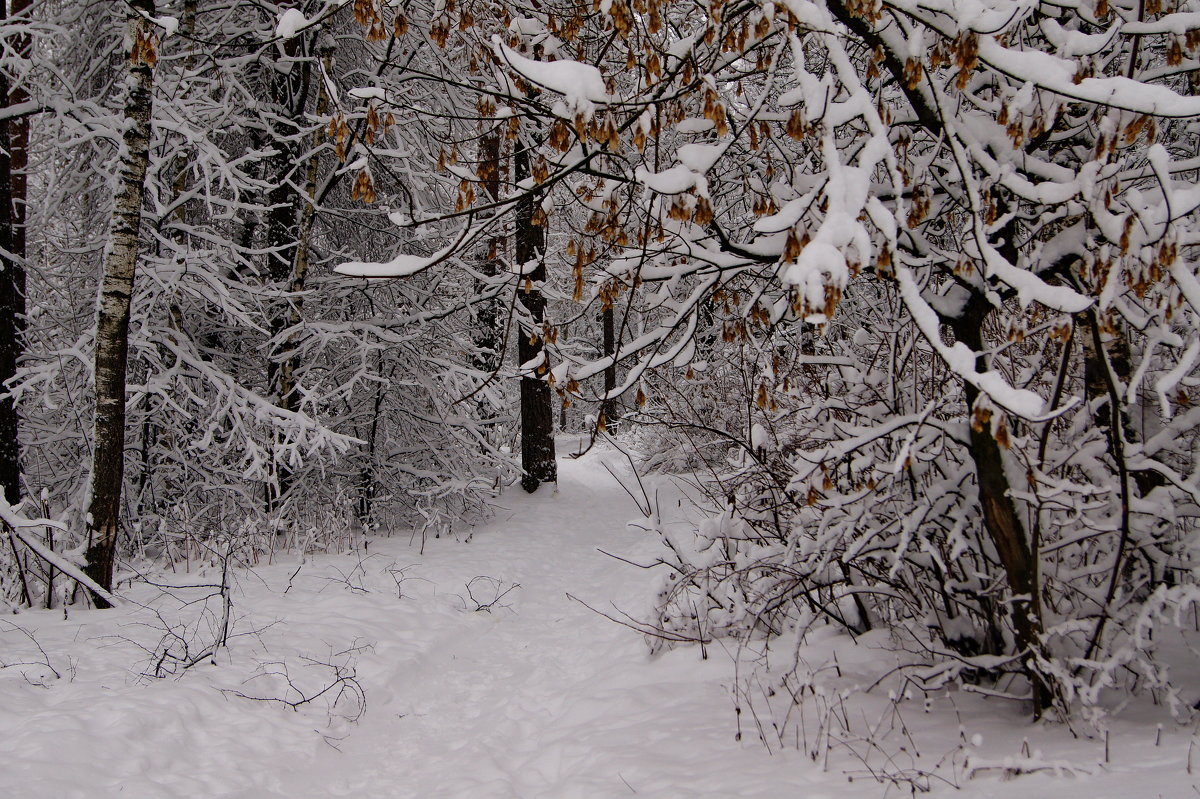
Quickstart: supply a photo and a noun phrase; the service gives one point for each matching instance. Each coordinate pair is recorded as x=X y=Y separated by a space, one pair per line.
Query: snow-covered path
x=541 y=697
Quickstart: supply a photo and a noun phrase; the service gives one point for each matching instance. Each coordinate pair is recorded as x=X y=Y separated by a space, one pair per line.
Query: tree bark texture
x=537 y=413
x=299 y=276
x=112 y=325
x=14 y=149
x=282 y=218
x=1000 y=519
x=288 y=95
x=12 y=311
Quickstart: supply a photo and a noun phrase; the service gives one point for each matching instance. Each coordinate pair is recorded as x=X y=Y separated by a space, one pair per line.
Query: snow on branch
x=962 y=359
x=405 y=265
x=580 y=83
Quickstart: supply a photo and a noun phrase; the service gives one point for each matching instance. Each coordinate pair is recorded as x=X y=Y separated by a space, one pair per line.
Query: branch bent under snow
x=18 y=524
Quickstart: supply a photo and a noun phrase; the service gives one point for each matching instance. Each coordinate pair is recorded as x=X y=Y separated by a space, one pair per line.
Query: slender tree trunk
x=187 y=29
x=288 y=93
x=12 y=311
x=14 y=149
x=609 y=407
x=287 y=90
x=154 y=438
x=299 y=276
x=1000 y=518
x=112 y=325
x=537 y=414
x=18 y=142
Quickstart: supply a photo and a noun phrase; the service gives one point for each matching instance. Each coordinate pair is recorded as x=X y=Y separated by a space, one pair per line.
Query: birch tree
x=112 y=326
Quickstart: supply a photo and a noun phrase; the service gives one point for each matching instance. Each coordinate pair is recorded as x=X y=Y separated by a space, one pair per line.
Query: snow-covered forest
x=599 y=397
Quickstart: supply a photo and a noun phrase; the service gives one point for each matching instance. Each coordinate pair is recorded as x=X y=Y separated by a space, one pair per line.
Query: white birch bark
x=112 y=324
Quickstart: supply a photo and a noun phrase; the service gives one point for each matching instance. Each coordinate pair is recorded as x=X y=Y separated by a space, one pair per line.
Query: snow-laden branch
x=582 y=84
x=962 y=359
x=405 y=265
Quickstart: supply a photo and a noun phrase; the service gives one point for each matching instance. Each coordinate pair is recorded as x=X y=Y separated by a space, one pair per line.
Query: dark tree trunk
x=288 y=92
x=488 y=331
x=12 y=311
x=154 y=438
x=282 y=232
x=112 y=325
x=1000 y=518
x=609 y=407
x=537 y=414
x=14 y=149
x=299 y=269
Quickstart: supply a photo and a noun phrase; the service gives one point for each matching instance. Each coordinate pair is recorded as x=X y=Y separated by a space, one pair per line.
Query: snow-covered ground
x=534 y=696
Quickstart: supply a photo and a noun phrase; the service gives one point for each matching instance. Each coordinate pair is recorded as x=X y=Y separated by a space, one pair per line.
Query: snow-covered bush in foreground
x=990 y=449
x=856 y=502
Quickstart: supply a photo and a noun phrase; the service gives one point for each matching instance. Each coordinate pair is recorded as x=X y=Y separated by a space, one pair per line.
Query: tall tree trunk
x=18 y=142
x=1000 y=519
x=14 y=149
x=288 y=89
x=112 y=324
x=12 y=311
x=299 y=276
x=149 y=501
x=537 y=414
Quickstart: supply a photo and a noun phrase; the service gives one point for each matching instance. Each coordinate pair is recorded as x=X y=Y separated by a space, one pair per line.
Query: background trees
x=257 y=409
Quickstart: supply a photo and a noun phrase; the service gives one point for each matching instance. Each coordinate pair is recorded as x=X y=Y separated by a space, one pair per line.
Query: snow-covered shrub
x=855 y=502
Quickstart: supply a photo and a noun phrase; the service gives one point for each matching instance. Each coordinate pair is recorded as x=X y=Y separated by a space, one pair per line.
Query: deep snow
x=536 y=696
